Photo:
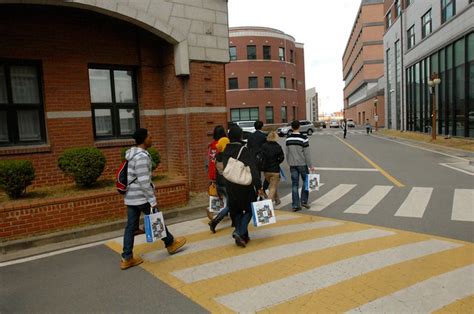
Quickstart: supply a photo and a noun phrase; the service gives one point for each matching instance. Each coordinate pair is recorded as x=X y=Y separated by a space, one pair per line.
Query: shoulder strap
x=240 y=151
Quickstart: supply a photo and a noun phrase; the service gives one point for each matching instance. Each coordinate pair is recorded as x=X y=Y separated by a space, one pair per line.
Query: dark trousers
x=296 y=173
x=133 y=221
x=240 y=200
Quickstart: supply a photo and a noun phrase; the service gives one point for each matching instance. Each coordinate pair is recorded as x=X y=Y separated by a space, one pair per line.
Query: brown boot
x=176 y=245
x=134 y=261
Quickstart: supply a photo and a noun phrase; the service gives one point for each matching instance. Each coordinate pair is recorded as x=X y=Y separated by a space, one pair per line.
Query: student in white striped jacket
x=140 y=197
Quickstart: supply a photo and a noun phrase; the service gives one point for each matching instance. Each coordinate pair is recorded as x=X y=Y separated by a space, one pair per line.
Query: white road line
x=346 y=169
x=463 y=205
x=264 y=256
x=226 y=239
x=415 y=203
x=367 y=202
x=330 y=197
x=457 y=169
x=431 y=294
x=285 y=289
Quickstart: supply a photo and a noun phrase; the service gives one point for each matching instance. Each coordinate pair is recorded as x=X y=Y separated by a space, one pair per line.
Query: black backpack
x=121 y=176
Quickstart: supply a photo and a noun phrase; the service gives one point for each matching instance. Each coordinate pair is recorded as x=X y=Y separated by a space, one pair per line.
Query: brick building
x=265 y=77
x=423 y=38
x=362 y=66
x=88 y=73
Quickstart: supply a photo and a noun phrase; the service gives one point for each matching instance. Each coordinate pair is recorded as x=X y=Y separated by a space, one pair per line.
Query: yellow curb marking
x=373 y=164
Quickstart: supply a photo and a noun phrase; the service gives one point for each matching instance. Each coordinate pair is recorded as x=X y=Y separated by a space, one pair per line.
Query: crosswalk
x=335 y=132
x=307 y=263
x=414 y=205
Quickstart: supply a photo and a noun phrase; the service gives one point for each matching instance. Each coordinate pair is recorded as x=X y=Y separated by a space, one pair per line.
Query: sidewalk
x=11 y=250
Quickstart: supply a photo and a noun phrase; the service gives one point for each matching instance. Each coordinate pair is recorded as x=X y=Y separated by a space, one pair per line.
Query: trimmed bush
x=84 y=164
x=15 y=176
x=155 y=156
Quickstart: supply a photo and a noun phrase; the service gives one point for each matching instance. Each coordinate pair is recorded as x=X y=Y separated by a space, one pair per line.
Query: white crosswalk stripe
x=431 y=294
x=463 y=205
x=327 y=199
x=367 y=202
x=415 y=203
x=279 y=291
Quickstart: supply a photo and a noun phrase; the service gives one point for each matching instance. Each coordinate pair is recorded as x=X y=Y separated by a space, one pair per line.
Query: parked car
x=246 y=126
x=350 y=123
x=320 y=124
x=333 y=124
x=305 y=127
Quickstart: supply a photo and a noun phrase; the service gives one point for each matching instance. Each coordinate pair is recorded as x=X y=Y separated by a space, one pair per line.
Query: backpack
x=121 y=177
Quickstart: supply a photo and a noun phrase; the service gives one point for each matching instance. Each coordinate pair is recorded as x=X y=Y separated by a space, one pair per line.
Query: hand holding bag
x=237 y=172
x=154 y=226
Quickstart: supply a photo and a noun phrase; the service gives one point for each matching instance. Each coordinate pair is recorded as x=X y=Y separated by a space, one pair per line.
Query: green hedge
x=15 y=176
x=155 y=156
x=84 y=164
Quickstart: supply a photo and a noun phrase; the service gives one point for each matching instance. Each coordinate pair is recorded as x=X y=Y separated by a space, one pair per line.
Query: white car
x=333 y=124
x=246 y=126
x=350 y=123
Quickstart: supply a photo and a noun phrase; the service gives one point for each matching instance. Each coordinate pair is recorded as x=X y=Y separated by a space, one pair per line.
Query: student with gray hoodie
x=299 y=160
x=140 y=197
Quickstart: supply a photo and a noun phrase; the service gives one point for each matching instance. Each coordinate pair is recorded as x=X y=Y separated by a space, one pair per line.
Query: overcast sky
x=322 y=26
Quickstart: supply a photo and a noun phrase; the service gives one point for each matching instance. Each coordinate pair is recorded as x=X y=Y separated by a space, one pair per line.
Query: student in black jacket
x=241 y=196
x=273 y=156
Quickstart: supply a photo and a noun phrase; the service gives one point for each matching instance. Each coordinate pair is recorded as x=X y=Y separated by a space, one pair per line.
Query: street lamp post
x=376 y=117
x=432 y=82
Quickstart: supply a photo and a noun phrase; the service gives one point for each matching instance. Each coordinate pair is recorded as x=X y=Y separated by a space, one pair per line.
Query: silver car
x=306 y=127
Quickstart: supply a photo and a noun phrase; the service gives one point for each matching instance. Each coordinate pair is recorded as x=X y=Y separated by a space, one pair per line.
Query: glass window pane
x=127 y=121
x=269 y=114
x=244 y=114
x=234 y=114
x=100 y=89
x=3 y=86
x=253 y=82
x=254 y=114
x=103 y=122
x=24 y=80
x=28 y=125
x=251 y=52
x=233 y=53
x=268 y=82
x=282 y=82
x=3 y=127
x=123 y=87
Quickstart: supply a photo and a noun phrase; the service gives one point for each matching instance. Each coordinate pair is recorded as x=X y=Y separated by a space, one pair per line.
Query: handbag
x=237 y=172
x=263 y=213
x=154 y=226
x=212 y=190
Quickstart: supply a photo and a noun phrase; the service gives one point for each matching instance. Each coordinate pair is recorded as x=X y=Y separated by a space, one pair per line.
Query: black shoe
x=212 y=225
x=238 y=240
x=306 y=206
x=296 y=209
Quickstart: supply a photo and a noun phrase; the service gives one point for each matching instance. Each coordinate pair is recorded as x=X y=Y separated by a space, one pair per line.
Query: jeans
x=133 y=221
x=296 y=173
x=221 y=190
x=242 y=220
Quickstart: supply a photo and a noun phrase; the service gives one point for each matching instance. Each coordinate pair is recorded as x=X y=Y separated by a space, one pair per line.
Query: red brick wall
x=70 y=212
x=65 y=41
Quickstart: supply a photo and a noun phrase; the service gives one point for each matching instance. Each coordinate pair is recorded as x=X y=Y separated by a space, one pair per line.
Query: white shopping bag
x=263 y=213
x=216 y=204
x=312 y=182
x=154 y=227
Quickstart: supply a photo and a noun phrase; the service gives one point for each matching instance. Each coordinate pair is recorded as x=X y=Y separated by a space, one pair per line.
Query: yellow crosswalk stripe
x=465 y=305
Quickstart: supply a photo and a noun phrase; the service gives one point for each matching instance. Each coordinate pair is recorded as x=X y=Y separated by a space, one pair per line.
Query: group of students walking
x=261 y=153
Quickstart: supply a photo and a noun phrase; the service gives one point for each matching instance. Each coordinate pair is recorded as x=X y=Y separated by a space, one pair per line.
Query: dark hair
x=140 y=135
x=235 y=133
x=295 y=125
x=258 y=125
x=219 y=132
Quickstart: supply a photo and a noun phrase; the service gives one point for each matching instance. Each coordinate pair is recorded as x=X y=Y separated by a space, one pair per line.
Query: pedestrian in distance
x=368 y=127
x=299 y=159
x=255 y=142
x=344 y=127
x=220 y=142
x=140 y=197
x=273 y=156
x=241 y=196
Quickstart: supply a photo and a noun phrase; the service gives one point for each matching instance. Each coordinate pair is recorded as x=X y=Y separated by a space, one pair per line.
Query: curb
x=80 y=235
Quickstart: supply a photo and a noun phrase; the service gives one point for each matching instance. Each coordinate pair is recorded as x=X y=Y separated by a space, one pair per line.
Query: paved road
x=350 y=252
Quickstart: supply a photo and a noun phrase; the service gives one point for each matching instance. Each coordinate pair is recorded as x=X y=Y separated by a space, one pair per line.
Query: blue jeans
x=242 y=220
x=296 y=173
x=133 y=221
x=221 y=190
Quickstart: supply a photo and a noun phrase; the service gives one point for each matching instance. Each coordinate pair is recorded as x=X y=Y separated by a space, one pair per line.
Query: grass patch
x=64 y=190
x=454 y=142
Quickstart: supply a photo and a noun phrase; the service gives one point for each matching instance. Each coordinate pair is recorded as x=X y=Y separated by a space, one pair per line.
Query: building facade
x=265 y=77
x=362 y=65
x=88 y=73
x=423 y=38
x=312 y=104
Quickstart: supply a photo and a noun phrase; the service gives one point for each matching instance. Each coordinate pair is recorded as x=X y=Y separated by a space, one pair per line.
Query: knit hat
x=140 y=135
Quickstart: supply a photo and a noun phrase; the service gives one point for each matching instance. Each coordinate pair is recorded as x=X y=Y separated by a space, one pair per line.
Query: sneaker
x=277 y=202
x=212 y=226
x=296 y=209
x=306 y=206
x=176 y=245
x=134 y=261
